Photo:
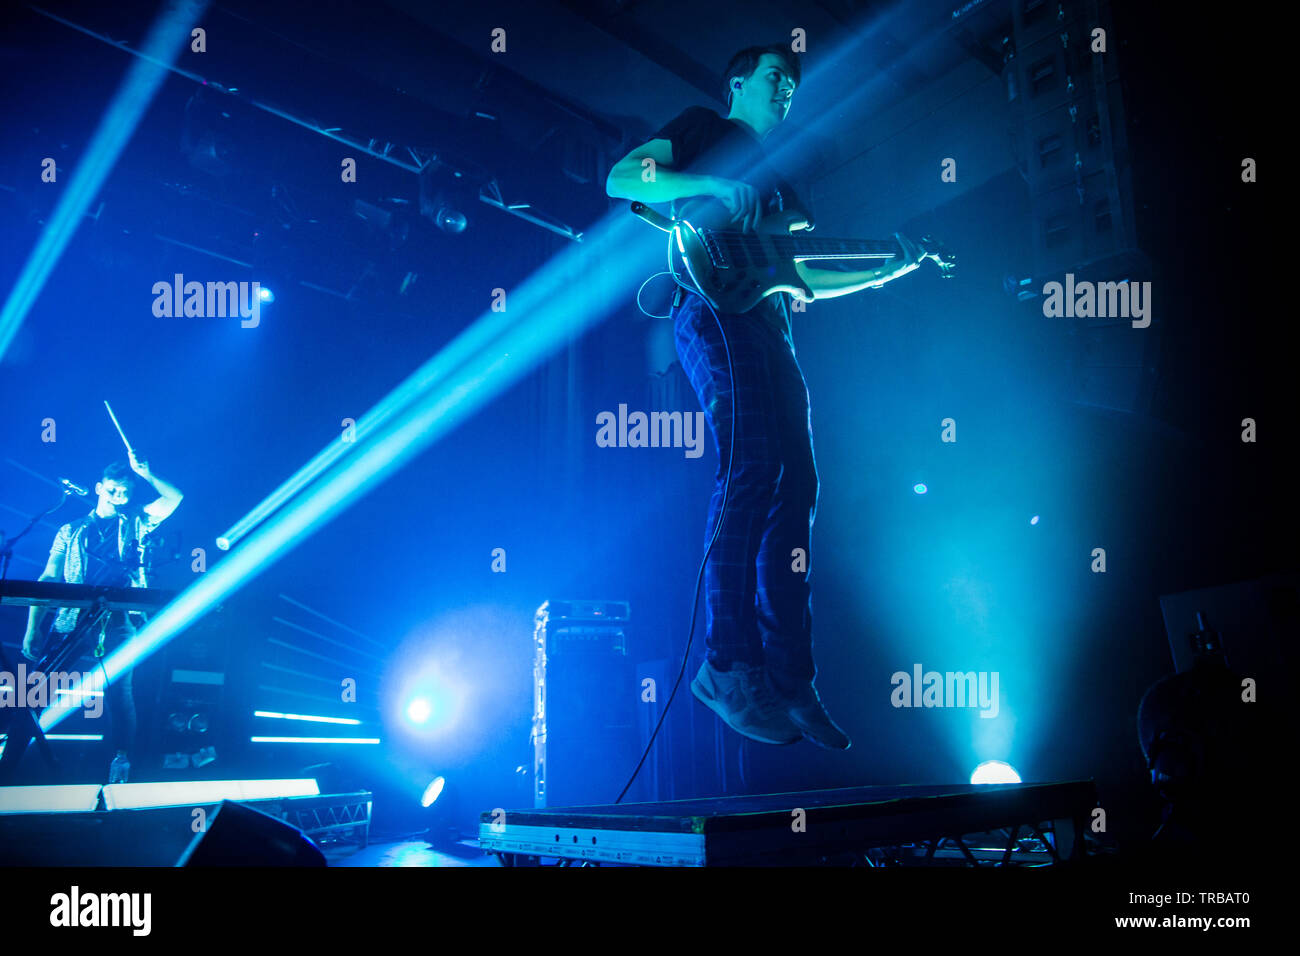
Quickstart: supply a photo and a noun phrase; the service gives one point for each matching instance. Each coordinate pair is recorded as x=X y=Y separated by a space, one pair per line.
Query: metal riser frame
x=905 y=833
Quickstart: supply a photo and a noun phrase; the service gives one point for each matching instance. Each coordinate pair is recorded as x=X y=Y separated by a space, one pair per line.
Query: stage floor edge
x=787 y=828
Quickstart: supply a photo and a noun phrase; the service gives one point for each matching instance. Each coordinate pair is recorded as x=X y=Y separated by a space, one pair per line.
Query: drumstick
x=119 y=427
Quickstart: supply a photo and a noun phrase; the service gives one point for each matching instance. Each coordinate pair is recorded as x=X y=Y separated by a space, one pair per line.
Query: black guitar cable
x=695 y=604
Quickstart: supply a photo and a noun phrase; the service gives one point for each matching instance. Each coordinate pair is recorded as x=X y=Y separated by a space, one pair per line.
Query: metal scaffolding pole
x=489 y=193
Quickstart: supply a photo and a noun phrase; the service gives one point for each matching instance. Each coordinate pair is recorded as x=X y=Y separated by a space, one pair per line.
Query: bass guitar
x=735 y=270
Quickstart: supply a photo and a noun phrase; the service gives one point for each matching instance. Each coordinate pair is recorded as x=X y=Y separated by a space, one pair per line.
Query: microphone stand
x=7 y=547
x=21 y=726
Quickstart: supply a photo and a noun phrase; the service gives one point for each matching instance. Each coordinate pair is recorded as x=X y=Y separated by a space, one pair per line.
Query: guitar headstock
x=942 y=256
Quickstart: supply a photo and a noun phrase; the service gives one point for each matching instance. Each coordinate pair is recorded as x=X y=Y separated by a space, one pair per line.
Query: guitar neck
x=803 y=248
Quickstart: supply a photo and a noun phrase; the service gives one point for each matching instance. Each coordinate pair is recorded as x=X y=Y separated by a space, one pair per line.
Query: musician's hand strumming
x=742 y=201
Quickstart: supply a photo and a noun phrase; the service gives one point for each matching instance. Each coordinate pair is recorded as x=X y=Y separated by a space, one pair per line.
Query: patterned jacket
x=70 y=542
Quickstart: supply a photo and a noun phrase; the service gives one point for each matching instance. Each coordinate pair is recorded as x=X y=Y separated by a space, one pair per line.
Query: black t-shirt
x=104 y=565
x=708 y=144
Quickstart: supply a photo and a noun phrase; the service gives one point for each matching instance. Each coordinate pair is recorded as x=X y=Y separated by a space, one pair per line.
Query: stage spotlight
x=223 y=543
x=920 y=488
x=432 y=792
x=267 y=296
x=440 y=805
x=995 y=771
x=1034 y=520
x=426 y=700
x=449 y=219
x=419 y=710
x=440 y=200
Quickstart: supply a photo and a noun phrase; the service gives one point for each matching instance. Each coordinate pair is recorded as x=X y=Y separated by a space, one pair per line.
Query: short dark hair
x=744 y=63
x=117 y=471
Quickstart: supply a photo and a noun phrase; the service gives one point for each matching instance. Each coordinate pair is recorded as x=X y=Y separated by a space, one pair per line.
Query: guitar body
x=733 y=271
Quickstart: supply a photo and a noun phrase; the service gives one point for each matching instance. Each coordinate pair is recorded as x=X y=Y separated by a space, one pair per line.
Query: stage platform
x=960 y=824
x=152 y=824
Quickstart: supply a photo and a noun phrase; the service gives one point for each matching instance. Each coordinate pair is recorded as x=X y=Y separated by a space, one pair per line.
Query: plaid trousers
x=757 y=598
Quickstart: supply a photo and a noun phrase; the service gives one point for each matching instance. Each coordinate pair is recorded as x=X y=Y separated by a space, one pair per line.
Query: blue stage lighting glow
x=314 y=740
x=1034 y=520
x=920 y=488
x=432 y=791
x=321 y=720
x=485 y=360
x=419 y=710
x=180 y=793
x=265 y=294
x=427 y=696
x=82 y=797
x=166 y=39
x=543 y=300
x=995 y=771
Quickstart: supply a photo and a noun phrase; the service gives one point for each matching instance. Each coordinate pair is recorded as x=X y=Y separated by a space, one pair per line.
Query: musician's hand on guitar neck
x=741 y=199
x=29 y=645
x=912 y=253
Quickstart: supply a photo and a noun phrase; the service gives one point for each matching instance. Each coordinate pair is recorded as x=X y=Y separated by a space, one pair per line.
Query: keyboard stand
x=21 y=723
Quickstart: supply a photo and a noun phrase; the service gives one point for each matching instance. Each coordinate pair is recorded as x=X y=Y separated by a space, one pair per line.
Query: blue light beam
x=166 y=38
x=543 y=315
